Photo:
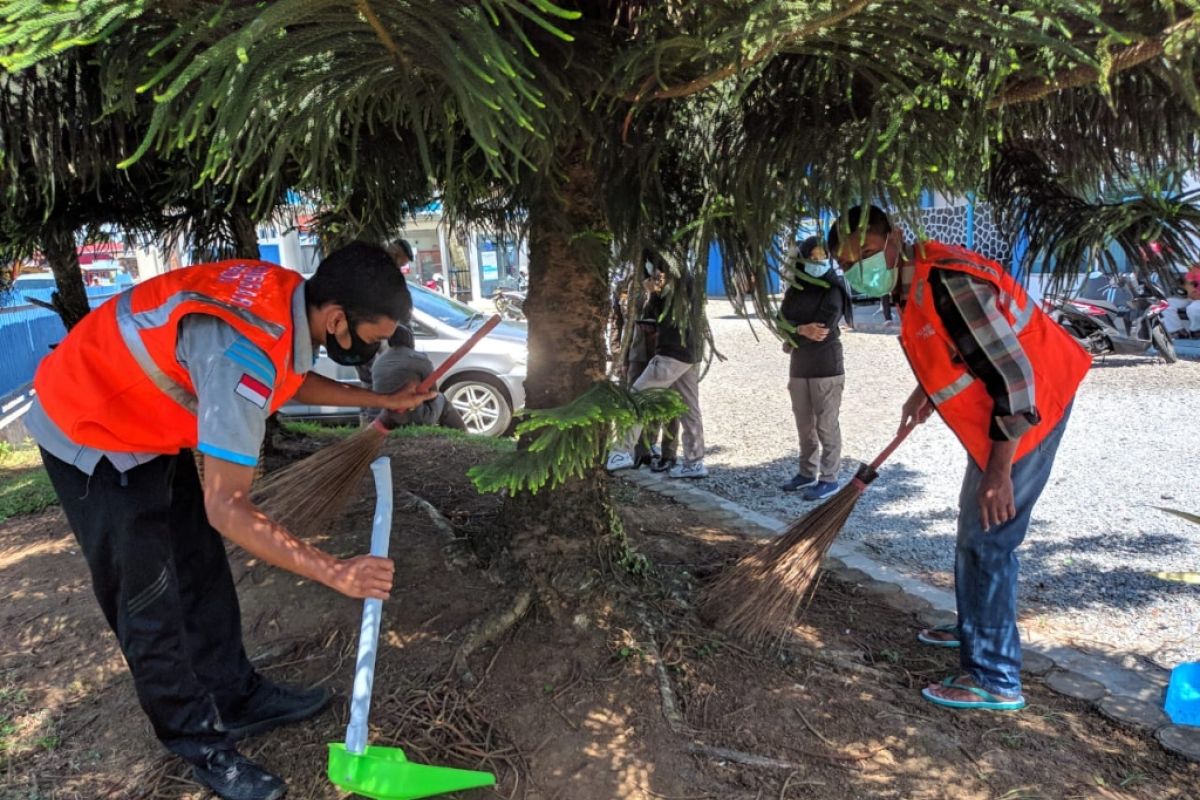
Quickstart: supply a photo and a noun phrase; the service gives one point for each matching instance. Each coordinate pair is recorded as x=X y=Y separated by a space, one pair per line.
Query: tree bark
x=567 y=308
x=244 y=230
x=69 y=298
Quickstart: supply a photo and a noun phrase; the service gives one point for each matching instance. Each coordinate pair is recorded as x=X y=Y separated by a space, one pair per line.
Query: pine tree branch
x=705 y=81
x=364 y=8
x=1034 y=89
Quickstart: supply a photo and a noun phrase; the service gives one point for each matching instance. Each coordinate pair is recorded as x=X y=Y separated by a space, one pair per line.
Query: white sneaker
x=689 y=469
x=619 y=461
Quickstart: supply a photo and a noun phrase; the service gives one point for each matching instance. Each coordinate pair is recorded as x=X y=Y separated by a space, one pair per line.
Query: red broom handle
x=451 y=360
x=901 y=435
x=457 y=355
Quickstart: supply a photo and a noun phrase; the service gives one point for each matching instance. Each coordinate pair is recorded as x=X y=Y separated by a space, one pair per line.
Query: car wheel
x=482 y=403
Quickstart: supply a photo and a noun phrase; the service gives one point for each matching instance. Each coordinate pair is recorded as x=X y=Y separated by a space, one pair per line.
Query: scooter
x=1103 y=328
x=510 y=304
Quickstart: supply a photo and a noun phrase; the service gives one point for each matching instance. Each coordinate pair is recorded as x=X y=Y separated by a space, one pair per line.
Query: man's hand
x=406 y=398
x=813 y=330
x=916 y=409
x=995 y=498
x=363 y=577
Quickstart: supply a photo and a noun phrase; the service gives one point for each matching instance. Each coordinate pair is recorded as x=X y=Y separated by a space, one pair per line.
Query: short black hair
x=403 y=337
x=361 y=278
x=877 y=222
x=808 y=245
x=403 y=246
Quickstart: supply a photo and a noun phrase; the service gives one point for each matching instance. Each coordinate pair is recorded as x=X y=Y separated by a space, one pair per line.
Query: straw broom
x=304 y=496
x=757 y=599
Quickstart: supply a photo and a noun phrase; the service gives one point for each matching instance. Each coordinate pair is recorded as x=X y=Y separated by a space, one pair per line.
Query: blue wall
x=26 y=333
x=715 y=283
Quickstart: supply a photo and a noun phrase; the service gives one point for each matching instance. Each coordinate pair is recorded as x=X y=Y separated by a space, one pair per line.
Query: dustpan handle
x=368 y=635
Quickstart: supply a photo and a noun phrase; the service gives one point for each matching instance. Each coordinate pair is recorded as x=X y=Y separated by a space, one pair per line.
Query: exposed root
x=670 y=706
x=454 y=548
x=738 y=757
x=440 y=724
x=487 y=629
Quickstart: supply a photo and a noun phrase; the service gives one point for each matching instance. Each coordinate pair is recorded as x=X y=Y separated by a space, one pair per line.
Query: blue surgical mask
x=871 y=276
x=816 y=269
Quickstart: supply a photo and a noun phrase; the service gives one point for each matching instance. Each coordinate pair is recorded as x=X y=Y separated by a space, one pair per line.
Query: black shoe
x=272 y=705
x=663 y=465
x=798 y=482
x=232 y=776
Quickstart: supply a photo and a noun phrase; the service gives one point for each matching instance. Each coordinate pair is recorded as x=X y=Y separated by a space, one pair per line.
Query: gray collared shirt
x=233 y=378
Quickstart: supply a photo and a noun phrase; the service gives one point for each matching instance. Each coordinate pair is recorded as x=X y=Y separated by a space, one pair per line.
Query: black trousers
x=161 y=576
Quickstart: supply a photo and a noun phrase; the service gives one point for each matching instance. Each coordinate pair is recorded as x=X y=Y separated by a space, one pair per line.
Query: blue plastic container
x=1183 y=695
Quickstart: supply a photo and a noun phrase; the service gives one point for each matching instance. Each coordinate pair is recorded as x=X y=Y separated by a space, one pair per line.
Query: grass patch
x=317 y=430
x=24 y=485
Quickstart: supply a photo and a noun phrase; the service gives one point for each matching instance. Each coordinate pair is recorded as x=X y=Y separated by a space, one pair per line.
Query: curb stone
x=1072 y=684
x=883 y=588
x=1180 y=740
x=1125 y=692
x=1133 y=712
x=903 y=601
x=1035 y=663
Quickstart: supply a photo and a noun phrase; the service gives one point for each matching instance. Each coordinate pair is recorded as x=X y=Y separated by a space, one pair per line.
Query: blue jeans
x=986 y=567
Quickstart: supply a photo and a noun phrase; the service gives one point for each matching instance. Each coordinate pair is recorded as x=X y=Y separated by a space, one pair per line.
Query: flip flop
x=986 y=701
x=923 y=639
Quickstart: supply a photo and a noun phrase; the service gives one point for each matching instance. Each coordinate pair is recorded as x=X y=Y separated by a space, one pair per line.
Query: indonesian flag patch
x=254 y=390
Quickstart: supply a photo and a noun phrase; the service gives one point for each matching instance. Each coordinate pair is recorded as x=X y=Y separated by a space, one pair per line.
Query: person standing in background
x=814 y=304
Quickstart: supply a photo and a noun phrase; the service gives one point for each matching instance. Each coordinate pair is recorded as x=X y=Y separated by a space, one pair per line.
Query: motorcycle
x=509 y=300
x=510 y=304
x=1102 y=327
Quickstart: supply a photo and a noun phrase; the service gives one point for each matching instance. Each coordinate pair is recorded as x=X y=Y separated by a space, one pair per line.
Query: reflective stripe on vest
x=948 y=393
x=129 y=324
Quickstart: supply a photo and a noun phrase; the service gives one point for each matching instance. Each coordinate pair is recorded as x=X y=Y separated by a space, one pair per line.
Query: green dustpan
x=383 y=773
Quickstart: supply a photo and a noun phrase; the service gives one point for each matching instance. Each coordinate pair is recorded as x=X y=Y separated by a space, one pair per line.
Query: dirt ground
x=638 y=700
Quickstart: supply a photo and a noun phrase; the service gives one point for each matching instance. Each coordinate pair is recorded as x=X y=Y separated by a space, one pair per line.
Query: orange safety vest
x=114 y=382
x=1059 y=363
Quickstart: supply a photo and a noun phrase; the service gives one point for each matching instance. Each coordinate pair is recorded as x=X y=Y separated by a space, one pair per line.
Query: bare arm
x=230 y=510
x=996 y=502
x=317 y=390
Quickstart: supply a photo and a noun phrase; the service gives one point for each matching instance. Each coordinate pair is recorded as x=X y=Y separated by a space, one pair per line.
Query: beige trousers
x=816 y=404
x=668 y=373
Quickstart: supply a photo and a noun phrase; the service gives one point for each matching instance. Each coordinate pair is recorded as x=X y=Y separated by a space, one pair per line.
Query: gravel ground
x=1096 y=541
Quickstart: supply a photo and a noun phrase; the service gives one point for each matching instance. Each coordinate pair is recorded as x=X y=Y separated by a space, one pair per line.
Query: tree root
x=670 y=706
x=454 y=548
x=487 y=629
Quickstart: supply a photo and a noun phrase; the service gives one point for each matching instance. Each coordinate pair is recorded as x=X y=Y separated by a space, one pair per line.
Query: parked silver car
x=487 y=386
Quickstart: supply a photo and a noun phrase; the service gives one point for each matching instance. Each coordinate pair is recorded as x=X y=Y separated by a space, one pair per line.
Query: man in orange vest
x=196 y=359
x=1003 y=377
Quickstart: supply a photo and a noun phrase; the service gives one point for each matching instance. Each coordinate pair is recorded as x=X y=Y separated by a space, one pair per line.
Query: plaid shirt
x=989 y=348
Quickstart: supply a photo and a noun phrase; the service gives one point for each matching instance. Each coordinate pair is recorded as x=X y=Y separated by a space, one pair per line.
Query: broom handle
x=451 y=360
x=891 y=448
x=456 y=356
x=372 y=615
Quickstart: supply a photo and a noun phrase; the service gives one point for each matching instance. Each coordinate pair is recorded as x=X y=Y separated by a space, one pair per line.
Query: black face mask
x=359 y=351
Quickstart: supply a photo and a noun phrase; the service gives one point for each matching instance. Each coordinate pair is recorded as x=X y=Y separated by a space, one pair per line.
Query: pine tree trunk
x=69 y=298
x=244 y=229
x=567 y=308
